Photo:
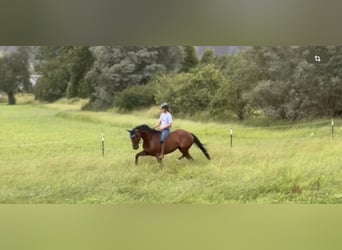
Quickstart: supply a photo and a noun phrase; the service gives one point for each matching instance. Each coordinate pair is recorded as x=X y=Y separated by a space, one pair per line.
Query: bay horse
x=178 y=139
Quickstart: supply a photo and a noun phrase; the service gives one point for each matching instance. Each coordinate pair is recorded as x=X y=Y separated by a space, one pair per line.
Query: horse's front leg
x=142 y=153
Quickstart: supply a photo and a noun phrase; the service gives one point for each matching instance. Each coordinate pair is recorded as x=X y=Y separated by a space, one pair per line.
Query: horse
x=178 y=139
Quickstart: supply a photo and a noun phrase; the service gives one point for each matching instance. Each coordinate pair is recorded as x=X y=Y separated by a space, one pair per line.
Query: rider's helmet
x=164 y=106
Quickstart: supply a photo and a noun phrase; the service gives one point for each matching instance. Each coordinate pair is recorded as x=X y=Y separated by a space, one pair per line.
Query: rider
x=164 y=124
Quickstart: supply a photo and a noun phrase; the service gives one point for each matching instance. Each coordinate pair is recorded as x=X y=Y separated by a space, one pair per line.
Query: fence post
x=332 y=128
x=231 y=137
x=102 y=145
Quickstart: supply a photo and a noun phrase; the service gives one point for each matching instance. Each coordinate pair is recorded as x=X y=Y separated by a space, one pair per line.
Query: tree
x=53 y=67
x=14 y=73
x=63 y=70
x=275 y=92
x=208 y=57
x=171 y=57
x=294 y=86
x=189 y=93
x=190 y=59
x=319 y=85
x=273 y=97
x=241 y=75
x=229 y=97
x=79 y=60
x=117 y=68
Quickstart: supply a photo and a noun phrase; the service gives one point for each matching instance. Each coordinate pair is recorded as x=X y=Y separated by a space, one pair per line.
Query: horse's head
x=135 y=138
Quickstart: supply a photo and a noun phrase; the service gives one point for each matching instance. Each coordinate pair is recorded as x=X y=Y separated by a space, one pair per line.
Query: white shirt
x=165 y=119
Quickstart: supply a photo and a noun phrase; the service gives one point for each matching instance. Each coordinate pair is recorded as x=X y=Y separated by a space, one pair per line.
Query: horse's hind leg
x=189 y=157
x=185 y=152
x=183 y=155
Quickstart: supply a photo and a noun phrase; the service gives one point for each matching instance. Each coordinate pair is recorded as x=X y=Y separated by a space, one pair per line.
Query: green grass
x=51 y=153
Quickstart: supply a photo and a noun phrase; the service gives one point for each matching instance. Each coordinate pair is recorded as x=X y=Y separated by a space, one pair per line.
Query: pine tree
x=208 y=57
x=191 y=59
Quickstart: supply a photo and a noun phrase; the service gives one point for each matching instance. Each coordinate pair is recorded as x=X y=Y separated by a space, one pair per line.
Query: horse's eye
x=132 y=136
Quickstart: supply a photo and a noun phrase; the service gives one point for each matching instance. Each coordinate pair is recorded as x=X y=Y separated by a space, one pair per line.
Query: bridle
x=135 y=138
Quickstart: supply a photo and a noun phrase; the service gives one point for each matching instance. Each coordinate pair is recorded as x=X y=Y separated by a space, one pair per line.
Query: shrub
x=135 y=97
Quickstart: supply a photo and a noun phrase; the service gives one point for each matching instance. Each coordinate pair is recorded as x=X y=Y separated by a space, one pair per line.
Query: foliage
x=189 y=93
x=119 y=67
x=272 y=97
x=293 y=86
x=62 y=70
x=136 y=97
x=79 y=60
x=208 y=57
x=52 y=67
x=241 y=76
x=190 y=59
x=273 y=92
x=279 y=82
x=14 y=73
x=228 y=97
x=320 y=85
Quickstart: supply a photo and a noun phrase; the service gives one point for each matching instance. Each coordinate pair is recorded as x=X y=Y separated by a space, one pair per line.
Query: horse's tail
x=201 y=146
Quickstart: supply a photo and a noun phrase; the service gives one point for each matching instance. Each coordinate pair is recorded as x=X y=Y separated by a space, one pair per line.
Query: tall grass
x=52 y=153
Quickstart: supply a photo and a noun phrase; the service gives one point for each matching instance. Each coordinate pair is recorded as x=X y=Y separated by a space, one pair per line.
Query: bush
x=189 y=93
x=135 y=97
x=51 y=88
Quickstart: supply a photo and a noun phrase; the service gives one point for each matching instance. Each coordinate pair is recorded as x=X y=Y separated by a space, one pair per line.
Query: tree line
x=283 y=82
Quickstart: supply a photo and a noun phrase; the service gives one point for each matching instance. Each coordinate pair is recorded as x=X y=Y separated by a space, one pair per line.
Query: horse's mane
x=146 y=128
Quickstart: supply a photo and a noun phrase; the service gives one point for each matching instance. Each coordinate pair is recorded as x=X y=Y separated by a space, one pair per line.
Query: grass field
x=51 y=153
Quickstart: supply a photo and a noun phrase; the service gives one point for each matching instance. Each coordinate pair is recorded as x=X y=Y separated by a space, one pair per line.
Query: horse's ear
x=129 y=131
